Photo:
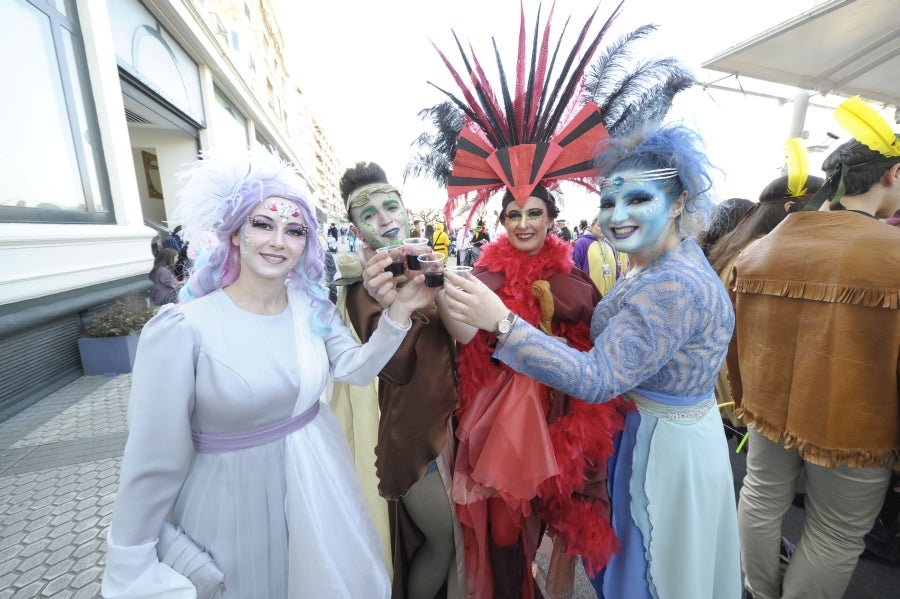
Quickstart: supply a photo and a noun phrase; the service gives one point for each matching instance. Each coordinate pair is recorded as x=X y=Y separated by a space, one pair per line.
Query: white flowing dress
x=283 y=519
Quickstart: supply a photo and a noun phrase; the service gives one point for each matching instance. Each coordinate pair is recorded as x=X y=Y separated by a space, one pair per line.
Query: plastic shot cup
x=458 y=270
x=432 y=264
x=414 y=247
x=396 y=254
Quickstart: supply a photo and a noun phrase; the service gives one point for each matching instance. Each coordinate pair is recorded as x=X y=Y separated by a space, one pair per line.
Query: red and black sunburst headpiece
x=552 y=124
x=536 y=135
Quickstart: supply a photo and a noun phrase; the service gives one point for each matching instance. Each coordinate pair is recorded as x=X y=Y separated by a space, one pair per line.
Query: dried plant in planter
x=125 y=317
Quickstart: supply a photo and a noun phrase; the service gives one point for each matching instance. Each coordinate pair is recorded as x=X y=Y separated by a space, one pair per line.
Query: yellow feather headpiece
x=797 y=166
x=867 y=127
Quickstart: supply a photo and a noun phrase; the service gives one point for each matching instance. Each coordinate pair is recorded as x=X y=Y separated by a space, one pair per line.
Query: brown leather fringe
x=823 y=292
x=822 y=456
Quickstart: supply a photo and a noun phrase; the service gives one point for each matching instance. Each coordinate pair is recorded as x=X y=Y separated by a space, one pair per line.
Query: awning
x=843 y=47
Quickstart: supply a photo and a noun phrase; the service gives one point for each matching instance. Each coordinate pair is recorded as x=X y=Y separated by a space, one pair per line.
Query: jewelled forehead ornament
x=361 y=196
x=657 y=174
x=283 y=210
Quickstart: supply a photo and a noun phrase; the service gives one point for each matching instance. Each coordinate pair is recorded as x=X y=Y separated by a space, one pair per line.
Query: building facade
x=105 y=102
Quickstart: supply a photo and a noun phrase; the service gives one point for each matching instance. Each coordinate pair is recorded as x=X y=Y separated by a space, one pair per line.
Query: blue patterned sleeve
x=642 y=337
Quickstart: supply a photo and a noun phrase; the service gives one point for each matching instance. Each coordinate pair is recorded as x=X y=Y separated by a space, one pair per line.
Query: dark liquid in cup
x=412 y=261
x=395 y=268
x=434 y=279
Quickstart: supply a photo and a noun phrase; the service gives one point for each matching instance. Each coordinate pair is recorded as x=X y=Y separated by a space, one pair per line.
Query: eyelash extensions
x=262 y=225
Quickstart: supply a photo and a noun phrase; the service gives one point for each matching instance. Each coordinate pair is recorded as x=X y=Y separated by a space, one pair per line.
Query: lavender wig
x=217 y=194
x=670 y=146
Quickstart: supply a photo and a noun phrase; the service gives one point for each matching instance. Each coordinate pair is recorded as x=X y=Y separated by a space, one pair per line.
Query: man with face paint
x=416 y=393
x=660 y=336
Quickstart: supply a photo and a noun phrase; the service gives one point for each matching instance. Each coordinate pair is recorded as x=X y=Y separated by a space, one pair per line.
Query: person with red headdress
x=531 y=458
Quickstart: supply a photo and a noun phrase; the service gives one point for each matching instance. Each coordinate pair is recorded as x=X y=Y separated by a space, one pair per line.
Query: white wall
x=42 y=259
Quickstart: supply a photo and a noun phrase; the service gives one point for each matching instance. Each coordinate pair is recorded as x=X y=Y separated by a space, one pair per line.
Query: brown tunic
x=817 y=304
x=416 y=393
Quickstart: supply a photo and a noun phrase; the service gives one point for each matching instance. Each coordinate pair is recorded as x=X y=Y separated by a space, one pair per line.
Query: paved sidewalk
x=59 y=468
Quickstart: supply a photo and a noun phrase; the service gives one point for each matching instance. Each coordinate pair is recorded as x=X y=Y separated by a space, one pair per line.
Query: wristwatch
x=505 y=325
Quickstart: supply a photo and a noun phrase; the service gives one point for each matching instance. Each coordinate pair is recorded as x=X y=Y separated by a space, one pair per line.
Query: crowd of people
x=306 y=423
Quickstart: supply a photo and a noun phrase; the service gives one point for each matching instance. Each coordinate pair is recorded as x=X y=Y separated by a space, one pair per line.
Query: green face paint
x=380 y=216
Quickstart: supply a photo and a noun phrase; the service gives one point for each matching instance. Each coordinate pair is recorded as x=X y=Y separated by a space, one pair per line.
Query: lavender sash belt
x=222 y=442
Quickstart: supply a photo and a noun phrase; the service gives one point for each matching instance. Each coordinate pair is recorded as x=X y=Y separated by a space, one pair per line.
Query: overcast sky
x=364 y=65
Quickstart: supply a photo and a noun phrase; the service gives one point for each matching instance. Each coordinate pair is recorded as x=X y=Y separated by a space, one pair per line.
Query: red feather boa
x=582 y=438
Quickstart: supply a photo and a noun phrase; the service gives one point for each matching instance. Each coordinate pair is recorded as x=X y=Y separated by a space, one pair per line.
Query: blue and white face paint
x=637 y=217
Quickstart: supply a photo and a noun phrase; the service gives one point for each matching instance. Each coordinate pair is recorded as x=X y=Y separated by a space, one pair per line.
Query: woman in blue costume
x=660 y=336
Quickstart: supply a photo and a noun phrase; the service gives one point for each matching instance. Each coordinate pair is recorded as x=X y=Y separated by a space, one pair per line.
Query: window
x=53 y=144
x=235 y=40
x=231 y=125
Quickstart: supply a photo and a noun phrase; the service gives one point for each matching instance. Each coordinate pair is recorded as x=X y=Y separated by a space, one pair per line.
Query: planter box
x=107 y=355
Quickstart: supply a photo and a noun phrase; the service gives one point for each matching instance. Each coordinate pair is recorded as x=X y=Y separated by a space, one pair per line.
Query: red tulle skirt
x=551 y=473
x=505 y=453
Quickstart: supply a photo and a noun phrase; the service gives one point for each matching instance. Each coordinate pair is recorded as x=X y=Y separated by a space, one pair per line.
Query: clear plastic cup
x=396 y=254
x=414 y=247
x=459 y=270
x=432 y=264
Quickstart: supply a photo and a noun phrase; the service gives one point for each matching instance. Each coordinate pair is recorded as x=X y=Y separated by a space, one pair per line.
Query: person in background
x=165 y=283
x=660 y=336
x=782 y=196
x=818 y=344
x=463 y=242
x=564 y=233
x=725 y=218
x=595 y=255
x=581 y=228
x=408 y=427
x=440 y=241
x=351 y=240
x=174 y=241
x=479 y=238
x=228 y=438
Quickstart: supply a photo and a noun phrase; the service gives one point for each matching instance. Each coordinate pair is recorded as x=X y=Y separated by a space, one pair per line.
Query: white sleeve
x=157 y=456
x=135 y=573
x=355 y=363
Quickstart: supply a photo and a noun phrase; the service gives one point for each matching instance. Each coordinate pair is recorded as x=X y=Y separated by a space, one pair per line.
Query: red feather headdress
x=537 y=135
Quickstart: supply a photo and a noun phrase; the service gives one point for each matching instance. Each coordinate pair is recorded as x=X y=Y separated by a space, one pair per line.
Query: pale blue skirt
x=673 y=505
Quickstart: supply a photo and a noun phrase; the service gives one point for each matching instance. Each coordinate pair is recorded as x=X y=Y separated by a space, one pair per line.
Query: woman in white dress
x=228 y=439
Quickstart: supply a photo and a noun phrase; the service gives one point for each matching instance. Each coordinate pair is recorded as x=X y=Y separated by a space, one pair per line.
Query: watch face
x=504 y=326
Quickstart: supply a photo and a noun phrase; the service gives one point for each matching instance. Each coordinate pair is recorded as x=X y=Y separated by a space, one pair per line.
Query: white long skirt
x=273 y=538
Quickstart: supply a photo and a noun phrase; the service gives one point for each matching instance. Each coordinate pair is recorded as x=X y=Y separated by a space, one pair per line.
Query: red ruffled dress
x=544 y=454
